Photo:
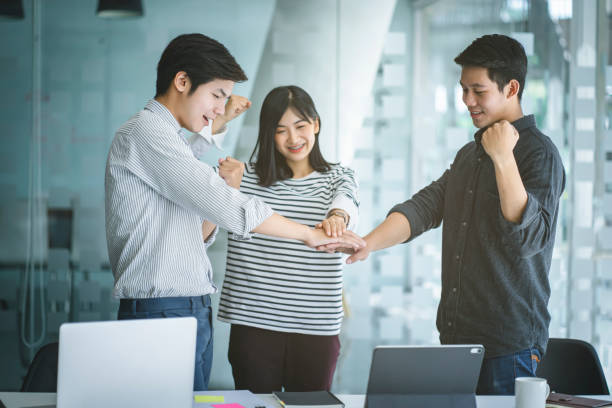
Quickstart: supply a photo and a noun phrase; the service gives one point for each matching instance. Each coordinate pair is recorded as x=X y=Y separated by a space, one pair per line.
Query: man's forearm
x=512 y=193
x=281 y=227
x=394 y=230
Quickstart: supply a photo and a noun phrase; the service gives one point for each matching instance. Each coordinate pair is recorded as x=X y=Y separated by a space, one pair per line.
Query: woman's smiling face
x=295 y=136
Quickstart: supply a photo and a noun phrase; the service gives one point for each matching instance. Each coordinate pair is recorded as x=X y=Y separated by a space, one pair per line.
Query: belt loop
x=134 y=306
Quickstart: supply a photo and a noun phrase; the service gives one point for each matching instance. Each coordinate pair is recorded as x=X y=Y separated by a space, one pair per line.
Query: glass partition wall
x=418 y=122
x=384 y=81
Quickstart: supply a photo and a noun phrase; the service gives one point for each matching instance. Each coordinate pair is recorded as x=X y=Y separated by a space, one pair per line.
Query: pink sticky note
x=232 y=405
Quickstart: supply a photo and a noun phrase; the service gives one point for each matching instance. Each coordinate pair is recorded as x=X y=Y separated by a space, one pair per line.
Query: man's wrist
x=305 y=233
x=370 y=240
x=503 y=162
x=219 y=127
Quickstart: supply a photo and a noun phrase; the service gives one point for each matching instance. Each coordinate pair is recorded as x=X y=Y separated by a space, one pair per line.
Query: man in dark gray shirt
x=499 y=201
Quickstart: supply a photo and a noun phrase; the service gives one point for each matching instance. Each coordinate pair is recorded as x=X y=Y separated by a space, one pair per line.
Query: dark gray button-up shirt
x=495 y=287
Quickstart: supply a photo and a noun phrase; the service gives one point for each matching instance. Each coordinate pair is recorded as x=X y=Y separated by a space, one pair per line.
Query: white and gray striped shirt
x=281 y=284
x=157 y=195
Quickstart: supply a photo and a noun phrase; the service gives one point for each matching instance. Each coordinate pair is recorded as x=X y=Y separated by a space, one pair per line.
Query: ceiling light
x=11 y=9
x=119 y=8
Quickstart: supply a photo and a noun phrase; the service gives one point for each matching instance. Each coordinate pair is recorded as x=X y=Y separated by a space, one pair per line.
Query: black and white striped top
x=281 y=284
x=156 y=196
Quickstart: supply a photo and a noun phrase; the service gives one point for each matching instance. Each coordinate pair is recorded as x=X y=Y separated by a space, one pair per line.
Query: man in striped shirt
x=163 y=205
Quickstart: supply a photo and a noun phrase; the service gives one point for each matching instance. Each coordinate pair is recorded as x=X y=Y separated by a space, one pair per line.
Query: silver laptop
x=127 y=363
x=424 y=376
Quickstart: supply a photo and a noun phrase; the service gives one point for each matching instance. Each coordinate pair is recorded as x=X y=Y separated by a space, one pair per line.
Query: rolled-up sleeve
x=171 y=169
x=344 y=203
x=544 y=180
x=346 y=196
x=425 y=210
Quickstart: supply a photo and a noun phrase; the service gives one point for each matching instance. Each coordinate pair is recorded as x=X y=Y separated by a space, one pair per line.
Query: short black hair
x=269 y=164
x=502 y=56
x=201 y=57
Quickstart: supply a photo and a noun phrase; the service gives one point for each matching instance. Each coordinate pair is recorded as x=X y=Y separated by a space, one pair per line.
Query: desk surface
x=33 y=399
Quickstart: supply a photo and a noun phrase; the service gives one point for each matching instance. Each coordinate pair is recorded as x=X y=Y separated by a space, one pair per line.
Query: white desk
x=33 y=399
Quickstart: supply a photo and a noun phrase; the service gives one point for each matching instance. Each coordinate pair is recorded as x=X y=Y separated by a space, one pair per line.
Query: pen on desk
x=280 y=401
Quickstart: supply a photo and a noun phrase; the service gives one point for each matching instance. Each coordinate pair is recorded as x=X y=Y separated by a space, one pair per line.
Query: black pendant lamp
x=11 y=9
x=119 y=8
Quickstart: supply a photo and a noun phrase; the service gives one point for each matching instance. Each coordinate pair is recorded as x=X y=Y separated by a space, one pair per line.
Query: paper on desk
x=208 y=398
x=230 y=399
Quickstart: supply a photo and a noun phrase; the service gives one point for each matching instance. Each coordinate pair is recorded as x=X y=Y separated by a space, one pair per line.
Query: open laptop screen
x=127 y=363
x=443 y=376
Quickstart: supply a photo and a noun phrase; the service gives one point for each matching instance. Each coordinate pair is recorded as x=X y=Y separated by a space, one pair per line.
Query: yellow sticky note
x=208 y=398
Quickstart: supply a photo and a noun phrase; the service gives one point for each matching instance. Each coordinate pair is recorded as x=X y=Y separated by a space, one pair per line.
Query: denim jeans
x=196 y=306
x=498 y=373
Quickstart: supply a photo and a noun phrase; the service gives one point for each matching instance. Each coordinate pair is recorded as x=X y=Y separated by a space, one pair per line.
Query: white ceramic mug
x=530 y=392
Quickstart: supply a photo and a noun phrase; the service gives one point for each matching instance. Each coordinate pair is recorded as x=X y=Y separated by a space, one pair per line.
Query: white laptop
x=127 y=363
x=424 y=376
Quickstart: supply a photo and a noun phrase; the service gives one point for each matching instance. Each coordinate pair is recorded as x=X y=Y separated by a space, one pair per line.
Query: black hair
x=270 y=165
x=502 y=56
x=201 y=57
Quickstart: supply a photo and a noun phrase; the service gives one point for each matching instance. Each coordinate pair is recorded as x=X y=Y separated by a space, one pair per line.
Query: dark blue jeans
x=196 y=306
x=498 y=373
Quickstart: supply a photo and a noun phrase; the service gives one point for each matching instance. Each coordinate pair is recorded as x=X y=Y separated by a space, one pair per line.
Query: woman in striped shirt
x=283 y=299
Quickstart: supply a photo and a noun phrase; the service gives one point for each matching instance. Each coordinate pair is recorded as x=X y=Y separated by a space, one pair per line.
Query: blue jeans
x=196 y=306
x=498 y=373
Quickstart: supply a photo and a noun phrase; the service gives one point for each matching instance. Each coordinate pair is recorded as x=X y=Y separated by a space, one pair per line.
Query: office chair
x=573 y=367
x=42 y=373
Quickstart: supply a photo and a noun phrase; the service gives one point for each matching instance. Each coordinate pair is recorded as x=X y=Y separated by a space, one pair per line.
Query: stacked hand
x=356 y=253
x=359 y=255
x=348 y=242
x=231 y=170
x=333 y=226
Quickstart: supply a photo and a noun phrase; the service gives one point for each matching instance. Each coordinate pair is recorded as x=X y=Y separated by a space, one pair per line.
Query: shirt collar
x=519 y=124
x=160 y=110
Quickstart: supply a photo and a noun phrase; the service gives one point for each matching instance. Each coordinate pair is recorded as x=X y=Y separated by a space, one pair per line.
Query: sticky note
x=233 y=405
x=208 y=398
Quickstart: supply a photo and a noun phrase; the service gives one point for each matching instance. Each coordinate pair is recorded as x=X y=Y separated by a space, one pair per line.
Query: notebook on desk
x=308 y=399
x=564 y=400
x=424 y=376
x=128 y=363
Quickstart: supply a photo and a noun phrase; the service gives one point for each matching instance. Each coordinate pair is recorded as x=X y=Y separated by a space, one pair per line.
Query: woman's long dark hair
x=270 y=165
